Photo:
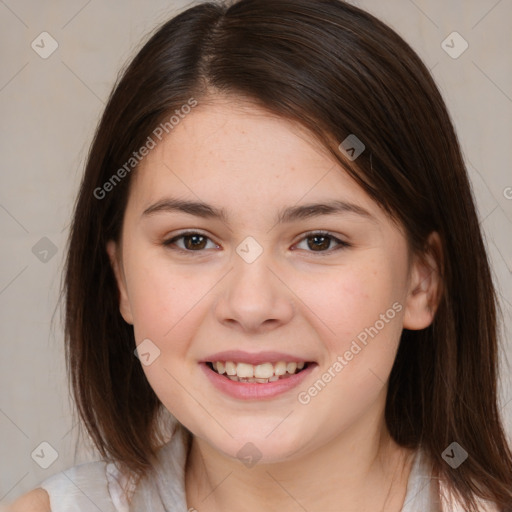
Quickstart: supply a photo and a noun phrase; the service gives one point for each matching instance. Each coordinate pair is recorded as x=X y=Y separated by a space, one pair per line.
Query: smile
x=261 y=373
x=256 y=382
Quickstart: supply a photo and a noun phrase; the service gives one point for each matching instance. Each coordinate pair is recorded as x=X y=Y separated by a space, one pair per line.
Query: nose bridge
x=253 y=295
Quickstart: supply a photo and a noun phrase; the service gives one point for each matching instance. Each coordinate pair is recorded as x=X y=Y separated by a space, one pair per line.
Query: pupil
x=192 y=241
x=323 y=245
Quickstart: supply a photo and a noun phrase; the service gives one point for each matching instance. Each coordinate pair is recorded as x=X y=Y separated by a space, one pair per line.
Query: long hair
x=337 y=71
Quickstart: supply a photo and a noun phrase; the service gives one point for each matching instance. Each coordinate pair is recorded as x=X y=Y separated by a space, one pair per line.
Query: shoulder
x=451 y=503
x=34 y=501
x=86 y=487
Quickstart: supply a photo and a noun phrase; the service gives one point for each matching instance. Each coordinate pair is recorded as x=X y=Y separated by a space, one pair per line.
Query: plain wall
x=50 y=108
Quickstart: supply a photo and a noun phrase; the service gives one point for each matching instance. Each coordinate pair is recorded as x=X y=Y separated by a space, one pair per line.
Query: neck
x=359 y=471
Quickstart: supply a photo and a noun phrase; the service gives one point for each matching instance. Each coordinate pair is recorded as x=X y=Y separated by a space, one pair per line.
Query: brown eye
x=192 y=242
x=321 y=242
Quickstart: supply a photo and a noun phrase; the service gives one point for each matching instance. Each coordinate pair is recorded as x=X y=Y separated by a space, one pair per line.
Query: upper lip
x=254 y=358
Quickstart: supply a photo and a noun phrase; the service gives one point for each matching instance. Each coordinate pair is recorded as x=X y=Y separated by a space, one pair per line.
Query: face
x=267 y=285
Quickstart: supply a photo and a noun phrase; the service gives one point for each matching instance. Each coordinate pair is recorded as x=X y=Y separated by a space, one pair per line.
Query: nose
x=254 y=298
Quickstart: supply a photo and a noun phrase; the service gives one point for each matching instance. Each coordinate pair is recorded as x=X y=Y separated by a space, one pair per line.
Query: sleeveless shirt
x=101 y=486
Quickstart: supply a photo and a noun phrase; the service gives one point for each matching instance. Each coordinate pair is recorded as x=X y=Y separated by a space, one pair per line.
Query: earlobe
x=425 y=288
x=124 y=303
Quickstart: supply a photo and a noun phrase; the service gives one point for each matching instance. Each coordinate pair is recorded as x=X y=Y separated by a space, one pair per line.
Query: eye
x=192 y=241
x=320 y=241
x=316 y=241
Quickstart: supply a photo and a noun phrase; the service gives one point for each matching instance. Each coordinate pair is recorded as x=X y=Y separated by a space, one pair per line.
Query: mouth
x=257 y=374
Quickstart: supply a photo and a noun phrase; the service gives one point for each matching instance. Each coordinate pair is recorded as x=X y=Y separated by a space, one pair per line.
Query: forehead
x=237 y=153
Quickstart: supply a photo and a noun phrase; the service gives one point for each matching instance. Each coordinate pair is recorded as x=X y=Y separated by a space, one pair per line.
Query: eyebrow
x=289 y=214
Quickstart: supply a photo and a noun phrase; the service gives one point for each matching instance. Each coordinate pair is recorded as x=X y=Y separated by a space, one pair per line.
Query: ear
x=115 y=261
x=425 y=285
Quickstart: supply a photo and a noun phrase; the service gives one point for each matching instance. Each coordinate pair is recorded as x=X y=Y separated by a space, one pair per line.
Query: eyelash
x=310 y=234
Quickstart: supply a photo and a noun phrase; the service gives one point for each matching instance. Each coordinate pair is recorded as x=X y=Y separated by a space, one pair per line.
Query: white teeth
x=230 y=368
x=245 y=370
x=291 y=367
x=266 y=372
x=280 y=368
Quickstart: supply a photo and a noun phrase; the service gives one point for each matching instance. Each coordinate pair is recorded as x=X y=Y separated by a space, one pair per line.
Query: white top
x=100 y=486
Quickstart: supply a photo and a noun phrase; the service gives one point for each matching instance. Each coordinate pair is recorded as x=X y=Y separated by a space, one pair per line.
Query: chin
x=250 y=446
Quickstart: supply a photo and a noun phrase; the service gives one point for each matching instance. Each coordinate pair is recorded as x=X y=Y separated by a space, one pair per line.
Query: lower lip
x=254 y=390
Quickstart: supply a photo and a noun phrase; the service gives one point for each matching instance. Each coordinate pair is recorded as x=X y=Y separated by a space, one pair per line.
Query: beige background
x=50 y=108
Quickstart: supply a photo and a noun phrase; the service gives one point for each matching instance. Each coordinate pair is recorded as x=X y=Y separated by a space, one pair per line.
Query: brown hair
x=336 y=70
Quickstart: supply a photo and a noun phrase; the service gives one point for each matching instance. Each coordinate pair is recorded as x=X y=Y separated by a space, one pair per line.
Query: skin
x=334 y=453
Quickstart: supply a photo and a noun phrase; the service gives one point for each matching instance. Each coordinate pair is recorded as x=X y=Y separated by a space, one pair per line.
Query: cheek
x=351 y=298
x=367 y=325
x=358 y=310
x=166 y=302
x=162 y=295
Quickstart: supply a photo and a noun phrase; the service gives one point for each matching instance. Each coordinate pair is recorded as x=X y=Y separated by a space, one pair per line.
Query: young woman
x=277 y=292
